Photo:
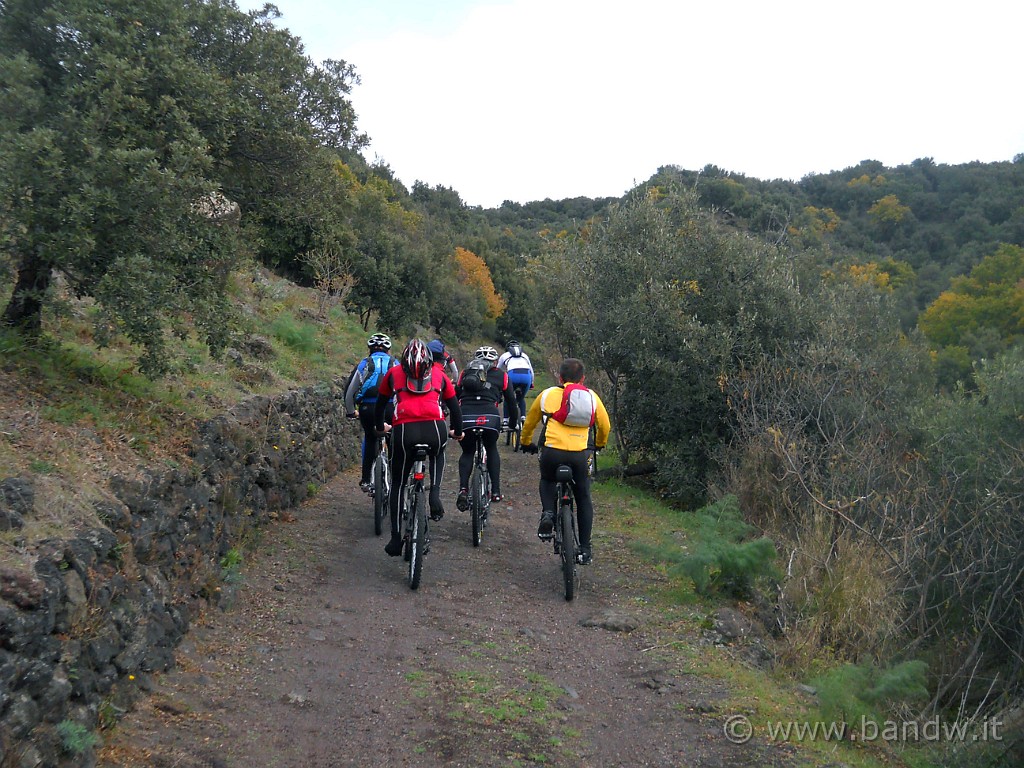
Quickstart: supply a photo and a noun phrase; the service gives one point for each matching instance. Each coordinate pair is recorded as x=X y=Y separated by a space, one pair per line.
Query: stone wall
x=84 y=628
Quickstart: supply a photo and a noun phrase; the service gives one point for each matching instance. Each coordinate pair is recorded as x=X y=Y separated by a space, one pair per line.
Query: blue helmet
x=436 y=348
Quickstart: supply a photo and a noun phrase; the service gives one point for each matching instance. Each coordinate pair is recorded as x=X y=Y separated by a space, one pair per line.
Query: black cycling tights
x=550 y=458
x=371 y=446
x=490 y=438
x=433 y=434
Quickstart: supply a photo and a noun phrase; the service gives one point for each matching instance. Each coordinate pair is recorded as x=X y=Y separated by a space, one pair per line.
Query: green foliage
x=302 y=337
x=720 y=300
x=125 y=123
x=723 y=558
x=854 y=693
x=75 y=738
x=982 y=313
x=231 y=566
x=41 y=467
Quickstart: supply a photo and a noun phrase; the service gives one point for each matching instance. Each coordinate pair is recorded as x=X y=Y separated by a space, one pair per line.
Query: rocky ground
x=324 y=657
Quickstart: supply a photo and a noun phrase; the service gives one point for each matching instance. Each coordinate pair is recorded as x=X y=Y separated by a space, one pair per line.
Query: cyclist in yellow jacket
x=566 y=414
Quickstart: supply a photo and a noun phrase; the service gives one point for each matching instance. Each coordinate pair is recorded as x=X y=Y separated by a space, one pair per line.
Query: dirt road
x=326 y=658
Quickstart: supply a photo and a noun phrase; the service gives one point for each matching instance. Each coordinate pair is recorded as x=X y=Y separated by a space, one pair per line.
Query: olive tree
x=668 y=305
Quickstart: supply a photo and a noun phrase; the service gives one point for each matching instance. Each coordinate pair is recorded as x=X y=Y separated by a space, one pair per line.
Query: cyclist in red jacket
x=418 y=387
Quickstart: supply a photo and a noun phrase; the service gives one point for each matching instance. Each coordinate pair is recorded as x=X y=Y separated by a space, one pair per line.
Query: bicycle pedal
x=545 y=536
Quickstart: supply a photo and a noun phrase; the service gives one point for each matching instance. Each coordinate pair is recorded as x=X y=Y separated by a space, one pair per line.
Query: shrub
x=75 y=738
x=302 y=337
x=856 y=694
x=726 y=559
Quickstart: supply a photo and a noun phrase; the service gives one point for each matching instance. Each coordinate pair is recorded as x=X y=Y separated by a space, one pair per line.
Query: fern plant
x=75 y=738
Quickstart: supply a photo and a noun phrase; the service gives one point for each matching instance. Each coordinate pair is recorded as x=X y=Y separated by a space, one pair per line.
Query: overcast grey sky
x=532 y=99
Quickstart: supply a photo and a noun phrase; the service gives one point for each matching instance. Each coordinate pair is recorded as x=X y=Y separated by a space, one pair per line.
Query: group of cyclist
x=421 y=398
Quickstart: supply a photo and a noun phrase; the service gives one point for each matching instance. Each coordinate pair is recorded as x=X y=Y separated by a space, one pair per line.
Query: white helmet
x=489 y=354
x=379 y=341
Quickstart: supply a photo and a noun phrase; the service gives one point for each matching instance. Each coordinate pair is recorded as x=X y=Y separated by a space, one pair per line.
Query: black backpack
x=475 y=381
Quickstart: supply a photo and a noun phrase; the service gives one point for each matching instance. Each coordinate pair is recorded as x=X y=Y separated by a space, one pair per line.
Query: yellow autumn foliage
x=473 y=272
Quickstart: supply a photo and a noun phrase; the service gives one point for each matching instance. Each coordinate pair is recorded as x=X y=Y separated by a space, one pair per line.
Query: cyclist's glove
x=528 y=448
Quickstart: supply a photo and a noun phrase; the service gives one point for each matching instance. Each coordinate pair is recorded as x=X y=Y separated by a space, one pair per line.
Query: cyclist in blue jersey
x=361 y=392
x=517 y=364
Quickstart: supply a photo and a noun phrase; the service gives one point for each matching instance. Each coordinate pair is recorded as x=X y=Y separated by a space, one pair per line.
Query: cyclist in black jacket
x=482 y=386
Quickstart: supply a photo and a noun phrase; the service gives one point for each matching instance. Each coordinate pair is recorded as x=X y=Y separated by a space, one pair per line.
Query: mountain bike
x=566 y=535
x=514 y=434
x=567 y=541
x=479 y=489
x=381 y=485
x=413 y=523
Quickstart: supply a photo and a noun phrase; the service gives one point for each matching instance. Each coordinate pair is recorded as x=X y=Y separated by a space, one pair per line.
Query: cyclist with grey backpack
x=361 y=392
x=568 y=415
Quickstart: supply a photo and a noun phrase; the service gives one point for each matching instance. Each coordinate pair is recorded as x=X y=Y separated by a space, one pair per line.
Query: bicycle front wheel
x=568 y=550
x=380 y=494
x=418 y=538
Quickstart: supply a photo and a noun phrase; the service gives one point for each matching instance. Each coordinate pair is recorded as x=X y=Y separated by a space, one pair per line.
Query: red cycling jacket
x=416 y=406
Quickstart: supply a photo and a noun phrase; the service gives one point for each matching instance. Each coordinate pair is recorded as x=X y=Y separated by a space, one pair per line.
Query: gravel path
x=324 y=657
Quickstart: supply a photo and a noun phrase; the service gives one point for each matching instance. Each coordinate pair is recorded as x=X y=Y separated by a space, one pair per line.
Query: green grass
x=75 y=382
x=651 y=537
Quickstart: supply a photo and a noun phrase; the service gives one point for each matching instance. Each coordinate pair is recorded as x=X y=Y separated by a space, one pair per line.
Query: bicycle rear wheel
x=567 y=550
x=418 y=537
x=476 y=504
x=380 y=493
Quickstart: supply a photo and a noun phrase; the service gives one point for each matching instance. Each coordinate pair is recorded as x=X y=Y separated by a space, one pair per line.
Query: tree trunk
x=24 y=310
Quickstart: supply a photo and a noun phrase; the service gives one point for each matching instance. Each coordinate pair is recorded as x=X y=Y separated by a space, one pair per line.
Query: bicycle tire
x=568 y=550
x=404 y=522
x=517 y=439
x=418 y=539
x=380 y=493
x=476 y=504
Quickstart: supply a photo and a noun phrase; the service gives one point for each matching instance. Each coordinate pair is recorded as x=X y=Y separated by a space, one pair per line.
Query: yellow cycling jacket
x=559 y=435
